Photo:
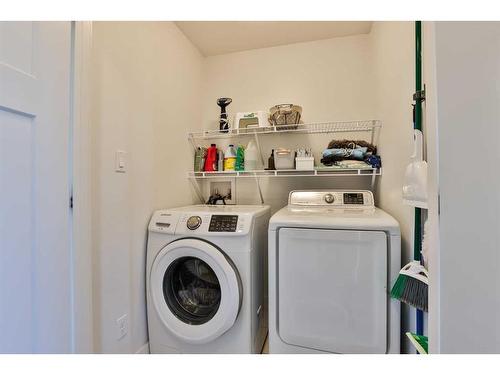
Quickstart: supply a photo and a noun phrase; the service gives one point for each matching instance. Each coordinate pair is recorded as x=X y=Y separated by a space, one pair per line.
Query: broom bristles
x=411 y=291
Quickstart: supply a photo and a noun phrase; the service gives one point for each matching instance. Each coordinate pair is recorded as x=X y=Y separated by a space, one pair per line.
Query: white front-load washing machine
x=333 y=257
x=206 y=279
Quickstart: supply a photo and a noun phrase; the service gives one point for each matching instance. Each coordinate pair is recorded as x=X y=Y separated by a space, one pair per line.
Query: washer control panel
x=336 y=198
x=223 y=223
x=194 y=222
x=353 y=198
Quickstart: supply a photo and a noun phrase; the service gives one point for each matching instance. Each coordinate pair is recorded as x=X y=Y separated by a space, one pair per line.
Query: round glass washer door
x=196 y=290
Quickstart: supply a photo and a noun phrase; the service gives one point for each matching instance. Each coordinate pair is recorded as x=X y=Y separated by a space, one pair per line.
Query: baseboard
x=143 y=349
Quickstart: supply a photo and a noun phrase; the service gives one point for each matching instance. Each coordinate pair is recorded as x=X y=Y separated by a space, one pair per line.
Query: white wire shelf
x=321 y=172
x=311 y=128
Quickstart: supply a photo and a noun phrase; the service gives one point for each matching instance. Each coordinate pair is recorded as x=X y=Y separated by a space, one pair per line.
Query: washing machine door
x=196 y=290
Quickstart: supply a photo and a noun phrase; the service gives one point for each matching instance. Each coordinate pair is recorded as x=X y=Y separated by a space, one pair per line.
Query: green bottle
x=240 y=159
x=199 y=159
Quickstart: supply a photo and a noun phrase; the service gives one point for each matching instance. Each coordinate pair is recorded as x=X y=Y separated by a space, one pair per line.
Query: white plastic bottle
x=251 y=155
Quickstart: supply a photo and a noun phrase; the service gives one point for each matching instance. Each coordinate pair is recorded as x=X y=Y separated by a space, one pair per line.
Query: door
x=196 y=290
x=332 y=290
x=464 y=247
x=35 y=276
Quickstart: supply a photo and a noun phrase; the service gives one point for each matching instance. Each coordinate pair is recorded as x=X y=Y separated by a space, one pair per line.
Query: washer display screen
x=223 y=223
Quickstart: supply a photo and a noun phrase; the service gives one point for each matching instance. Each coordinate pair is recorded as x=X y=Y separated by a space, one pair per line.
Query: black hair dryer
x=223 y=123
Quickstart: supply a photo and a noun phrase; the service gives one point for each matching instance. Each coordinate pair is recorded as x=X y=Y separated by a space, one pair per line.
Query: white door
x=332 y=290
x=196 y=290
x=35 y=258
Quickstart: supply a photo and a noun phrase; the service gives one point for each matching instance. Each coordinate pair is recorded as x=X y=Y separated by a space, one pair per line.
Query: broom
x=412 y=286
x=421 y=343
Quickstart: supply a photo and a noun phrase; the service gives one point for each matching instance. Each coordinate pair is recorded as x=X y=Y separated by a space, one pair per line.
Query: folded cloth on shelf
x=352 y=164
x=346 y=153
x=374 y=161
x=350 y=150
x=346 y=143
x=331 y=160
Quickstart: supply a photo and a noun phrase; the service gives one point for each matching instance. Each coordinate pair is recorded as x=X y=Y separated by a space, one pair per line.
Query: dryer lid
x=334 y=218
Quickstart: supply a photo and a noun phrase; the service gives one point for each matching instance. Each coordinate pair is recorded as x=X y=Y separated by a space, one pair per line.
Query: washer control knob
x=194 y=222
x=329 y=198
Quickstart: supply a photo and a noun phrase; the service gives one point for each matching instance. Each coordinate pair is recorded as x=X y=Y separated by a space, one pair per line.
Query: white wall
x=468 y=117
x=394 y=70
x=331 y=79
x=145 y=97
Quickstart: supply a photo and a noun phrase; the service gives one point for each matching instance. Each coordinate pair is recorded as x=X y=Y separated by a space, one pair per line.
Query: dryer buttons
x=194 y=222
x=329 y=198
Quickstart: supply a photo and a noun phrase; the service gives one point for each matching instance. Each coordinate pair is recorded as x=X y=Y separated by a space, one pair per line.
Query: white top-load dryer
x=333 y=257
x=205 y=279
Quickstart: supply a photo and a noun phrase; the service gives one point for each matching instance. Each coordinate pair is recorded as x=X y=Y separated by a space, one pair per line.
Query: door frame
x=81 y=175
x=430 y=116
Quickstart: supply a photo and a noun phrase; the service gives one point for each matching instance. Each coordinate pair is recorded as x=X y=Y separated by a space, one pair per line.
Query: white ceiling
x=219 y=37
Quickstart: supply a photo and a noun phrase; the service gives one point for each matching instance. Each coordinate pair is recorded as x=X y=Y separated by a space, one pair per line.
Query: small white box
x=305 y=163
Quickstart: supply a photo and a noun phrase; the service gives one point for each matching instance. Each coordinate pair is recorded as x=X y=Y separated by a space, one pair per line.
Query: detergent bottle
x=240 y=158
x=211 y=159
x=230 y=158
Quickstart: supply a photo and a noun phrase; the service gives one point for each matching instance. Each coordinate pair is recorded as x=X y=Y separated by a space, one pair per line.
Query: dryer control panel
x=336 y=198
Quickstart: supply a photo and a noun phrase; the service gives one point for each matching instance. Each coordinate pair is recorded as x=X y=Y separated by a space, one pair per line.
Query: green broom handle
x=417 y=244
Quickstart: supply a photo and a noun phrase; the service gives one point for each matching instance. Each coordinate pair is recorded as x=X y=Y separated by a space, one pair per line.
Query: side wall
x=394 y=70
x=145 y=97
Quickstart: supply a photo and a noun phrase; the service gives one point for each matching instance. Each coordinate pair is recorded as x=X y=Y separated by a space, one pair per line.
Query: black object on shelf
x=270 y=162
x=223 y=122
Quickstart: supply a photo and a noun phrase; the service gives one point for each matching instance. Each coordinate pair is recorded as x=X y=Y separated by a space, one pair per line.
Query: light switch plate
x=120 y=161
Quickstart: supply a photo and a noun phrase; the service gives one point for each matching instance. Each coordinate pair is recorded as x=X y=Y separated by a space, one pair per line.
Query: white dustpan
x=415 y=181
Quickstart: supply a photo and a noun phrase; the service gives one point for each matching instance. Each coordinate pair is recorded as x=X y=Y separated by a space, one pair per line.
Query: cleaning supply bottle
x=216 y=164
x=230 y=158
x=211 y=159
x=270 y=162
x=199 y=159
x=240 y=158
x=220 y=160
x=251 y=156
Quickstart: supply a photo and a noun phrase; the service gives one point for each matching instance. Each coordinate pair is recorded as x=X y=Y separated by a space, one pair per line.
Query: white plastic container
x=249 y=120
x=304 y=163
x=251 y=156
x=284 y=158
